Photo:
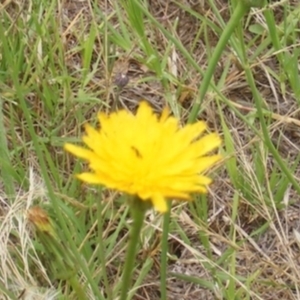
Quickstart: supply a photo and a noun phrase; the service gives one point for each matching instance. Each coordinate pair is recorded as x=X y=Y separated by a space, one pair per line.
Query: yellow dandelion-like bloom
x=148 y=156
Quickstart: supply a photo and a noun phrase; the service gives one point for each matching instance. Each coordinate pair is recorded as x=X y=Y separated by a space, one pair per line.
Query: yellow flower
x=148 y=156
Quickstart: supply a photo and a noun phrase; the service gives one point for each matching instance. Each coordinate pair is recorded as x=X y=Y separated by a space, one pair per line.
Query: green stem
x=62 y=261
x=239 y=12
x=138 y=210
x=164 y=254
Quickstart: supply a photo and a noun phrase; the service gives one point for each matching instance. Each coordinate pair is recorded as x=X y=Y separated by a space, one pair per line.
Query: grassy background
x=63 y=61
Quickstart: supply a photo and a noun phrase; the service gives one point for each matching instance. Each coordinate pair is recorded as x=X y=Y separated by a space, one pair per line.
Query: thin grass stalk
x=164 y=254
x=6 y=292
x=239 y=12
x=101 y=249
x=6 y=168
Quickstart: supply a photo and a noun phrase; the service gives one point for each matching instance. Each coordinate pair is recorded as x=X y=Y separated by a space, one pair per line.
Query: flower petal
x=90 y=178
x=78 y=151
x=159 y=203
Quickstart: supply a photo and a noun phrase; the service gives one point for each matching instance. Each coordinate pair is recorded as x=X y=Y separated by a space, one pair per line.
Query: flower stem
x=138 y=213
x=164 y=254
x=239 y=12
